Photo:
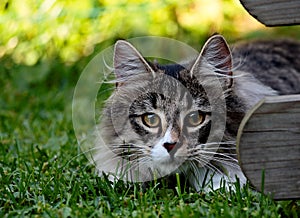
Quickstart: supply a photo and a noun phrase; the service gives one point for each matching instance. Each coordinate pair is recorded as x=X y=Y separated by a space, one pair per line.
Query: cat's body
x=173 y=118
x=274 y=63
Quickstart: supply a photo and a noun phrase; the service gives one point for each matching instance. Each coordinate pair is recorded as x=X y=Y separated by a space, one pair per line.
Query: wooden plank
x=274 y=12
x=269 y=141
x=255 y=165
x=265 y=123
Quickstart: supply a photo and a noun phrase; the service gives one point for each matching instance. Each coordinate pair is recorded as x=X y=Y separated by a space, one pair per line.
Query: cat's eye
x=194 y=118
x=151 y=120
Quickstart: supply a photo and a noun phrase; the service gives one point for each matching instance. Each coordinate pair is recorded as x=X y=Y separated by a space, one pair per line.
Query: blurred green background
x=33 y=31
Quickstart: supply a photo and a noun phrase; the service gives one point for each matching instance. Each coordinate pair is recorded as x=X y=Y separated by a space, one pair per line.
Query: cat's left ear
x=128 y=62
x=216 y=55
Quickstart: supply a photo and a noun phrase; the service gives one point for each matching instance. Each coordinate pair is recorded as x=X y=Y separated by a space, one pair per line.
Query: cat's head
x=162 y=116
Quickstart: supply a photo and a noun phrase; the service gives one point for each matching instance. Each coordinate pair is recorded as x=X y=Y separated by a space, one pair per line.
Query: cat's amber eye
x=151 y=120
x=195 y=118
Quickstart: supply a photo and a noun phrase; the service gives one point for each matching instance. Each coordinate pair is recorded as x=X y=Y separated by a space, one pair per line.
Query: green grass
x=44 y=174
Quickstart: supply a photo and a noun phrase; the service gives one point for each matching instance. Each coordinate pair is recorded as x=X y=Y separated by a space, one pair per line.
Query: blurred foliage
x=33 y=30
x=38 y=32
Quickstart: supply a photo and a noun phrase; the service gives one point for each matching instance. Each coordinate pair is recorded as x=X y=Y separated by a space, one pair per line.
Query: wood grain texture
x=274 y=12
x=269 y=141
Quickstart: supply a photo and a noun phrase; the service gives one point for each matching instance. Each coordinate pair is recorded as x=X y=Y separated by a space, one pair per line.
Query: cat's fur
x=131 y=150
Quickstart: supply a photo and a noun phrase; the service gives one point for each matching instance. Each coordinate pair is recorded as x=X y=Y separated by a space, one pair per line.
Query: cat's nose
x=169 y=146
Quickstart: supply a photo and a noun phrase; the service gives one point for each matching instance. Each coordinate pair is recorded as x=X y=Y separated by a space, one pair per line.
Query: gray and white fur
x=159 y=120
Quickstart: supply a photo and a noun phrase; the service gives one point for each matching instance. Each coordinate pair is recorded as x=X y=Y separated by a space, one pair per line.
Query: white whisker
x=220 y=154
x=223 y=161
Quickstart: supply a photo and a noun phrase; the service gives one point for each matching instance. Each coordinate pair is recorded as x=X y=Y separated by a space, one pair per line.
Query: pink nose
x=169 y=146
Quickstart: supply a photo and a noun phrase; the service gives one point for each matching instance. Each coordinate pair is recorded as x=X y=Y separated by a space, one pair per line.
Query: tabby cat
x=184 y=118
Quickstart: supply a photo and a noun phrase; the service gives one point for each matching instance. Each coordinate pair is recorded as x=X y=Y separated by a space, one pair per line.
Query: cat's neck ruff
x=250 y=89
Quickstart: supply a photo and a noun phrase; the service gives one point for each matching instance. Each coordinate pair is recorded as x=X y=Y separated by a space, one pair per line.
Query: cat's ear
x=128 y=62
x=217 y=55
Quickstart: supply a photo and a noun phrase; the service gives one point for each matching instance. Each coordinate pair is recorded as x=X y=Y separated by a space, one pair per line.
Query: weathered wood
x=274 y=12
x=269 y=141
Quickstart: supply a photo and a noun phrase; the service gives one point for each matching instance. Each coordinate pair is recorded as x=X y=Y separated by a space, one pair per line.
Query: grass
x=44 y=174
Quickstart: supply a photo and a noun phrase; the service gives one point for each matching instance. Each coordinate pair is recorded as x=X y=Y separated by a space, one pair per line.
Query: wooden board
x=274 y=12
x=269 y=142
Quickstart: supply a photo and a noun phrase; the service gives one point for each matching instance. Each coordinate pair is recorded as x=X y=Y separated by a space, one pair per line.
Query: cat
x=183 y=118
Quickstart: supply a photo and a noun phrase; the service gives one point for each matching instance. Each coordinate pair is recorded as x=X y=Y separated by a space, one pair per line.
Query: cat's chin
x=167 y=166
x=164 y=162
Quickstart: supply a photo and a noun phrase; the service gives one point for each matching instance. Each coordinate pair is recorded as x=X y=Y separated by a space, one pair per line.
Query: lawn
x=43 y=172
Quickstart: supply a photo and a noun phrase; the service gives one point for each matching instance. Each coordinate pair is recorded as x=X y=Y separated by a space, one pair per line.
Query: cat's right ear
x=128 y=62
x=216 y=54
